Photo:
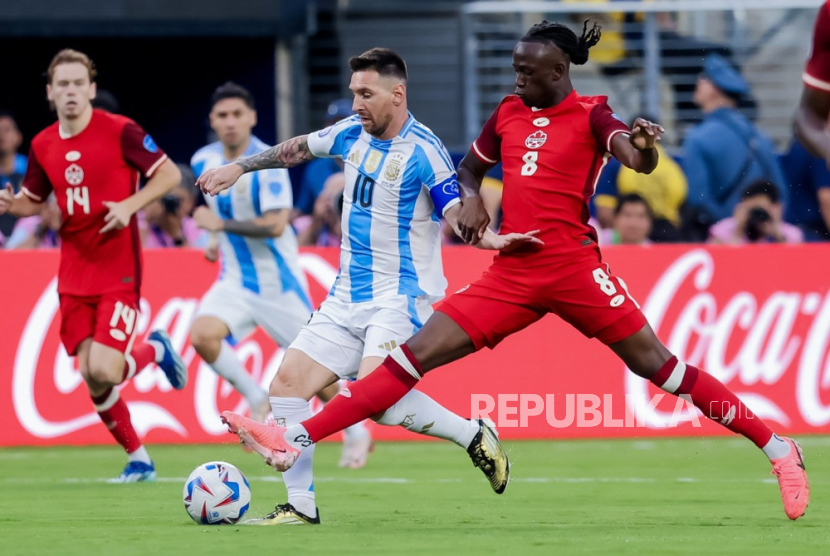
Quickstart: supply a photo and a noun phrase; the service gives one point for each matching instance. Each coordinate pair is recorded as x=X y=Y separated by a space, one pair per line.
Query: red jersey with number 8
x=102 y=163
x=552 y=159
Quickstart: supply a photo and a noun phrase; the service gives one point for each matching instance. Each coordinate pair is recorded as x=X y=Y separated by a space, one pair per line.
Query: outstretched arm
x=637 y=151
x=490 y=239
x=473 y=218
x=17 y=205
x=285 y=155
x=811 y=122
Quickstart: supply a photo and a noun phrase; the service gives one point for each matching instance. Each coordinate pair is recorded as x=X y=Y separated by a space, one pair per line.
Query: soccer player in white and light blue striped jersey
x=261 y=283
x=399 y=183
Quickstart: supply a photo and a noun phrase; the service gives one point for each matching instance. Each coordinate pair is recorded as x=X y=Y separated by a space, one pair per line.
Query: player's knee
x=100 y=373
x=287 y=383
x=205 y=341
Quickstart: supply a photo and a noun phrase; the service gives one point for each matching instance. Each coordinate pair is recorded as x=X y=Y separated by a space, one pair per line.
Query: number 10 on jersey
x=364 y=187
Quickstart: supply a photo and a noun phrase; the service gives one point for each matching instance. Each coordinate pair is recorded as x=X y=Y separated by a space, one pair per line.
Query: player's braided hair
x=565 y=39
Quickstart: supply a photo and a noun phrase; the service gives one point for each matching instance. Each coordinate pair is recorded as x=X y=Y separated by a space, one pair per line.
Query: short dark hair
x=561 y=36
x=233 y=90
x=632 y=199
x=761 y=187
x=382 y=60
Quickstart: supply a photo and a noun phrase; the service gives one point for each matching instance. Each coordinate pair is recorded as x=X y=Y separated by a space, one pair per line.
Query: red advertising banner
x=757 y=318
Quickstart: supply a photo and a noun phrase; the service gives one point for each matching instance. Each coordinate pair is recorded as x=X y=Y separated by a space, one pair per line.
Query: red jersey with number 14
x=552 y=159
x=101 y=163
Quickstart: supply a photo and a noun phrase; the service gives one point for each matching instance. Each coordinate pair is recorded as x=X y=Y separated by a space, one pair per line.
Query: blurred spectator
x=725 y=152
x=809 y=182
x=106 y=101
x=491 y=192
x=632 y=222
x=757 y=219
x=322 y=228
x=167 y=221
x=664 y=190
x=39 y=231
x=318 y=170
x=12 y=163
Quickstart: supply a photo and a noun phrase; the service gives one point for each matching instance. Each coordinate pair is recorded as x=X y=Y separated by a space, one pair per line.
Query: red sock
x=716 y=401
x=137 y=360
x=368 y=396
x=116 y=416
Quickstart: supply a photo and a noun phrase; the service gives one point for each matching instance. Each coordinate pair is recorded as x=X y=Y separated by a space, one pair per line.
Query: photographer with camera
x=167 y=221
x=757 y=219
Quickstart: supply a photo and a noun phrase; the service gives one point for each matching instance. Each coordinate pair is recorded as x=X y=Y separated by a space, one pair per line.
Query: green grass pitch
x=711 y=496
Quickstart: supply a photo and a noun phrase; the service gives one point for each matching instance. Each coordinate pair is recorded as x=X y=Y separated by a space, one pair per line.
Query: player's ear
x=93 y=90
x=253 y=118
x=398 y=94
x=558 y=71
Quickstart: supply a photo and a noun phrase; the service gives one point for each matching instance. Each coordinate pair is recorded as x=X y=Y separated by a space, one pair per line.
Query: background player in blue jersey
x=399 y=183
x=261 y=283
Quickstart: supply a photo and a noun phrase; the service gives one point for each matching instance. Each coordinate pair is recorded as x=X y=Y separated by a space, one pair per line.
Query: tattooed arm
x=285 y=155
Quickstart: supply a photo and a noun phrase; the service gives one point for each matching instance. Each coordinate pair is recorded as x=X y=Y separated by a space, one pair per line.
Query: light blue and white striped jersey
x=396 y=192
x=265 y=266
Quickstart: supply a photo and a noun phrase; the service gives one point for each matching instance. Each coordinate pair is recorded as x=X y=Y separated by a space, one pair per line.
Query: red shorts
x=108 y=319
x=506 y=300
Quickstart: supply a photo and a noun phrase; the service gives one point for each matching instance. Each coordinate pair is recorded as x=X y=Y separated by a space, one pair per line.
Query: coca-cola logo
x=175 y=316
x=746 y=341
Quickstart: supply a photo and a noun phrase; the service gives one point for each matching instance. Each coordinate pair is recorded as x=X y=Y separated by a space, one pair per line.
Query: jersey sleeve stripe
x=433 y=141
x=815 y=82
x=611 y=137
x=449 y=205
x=32 y=196
x=481 y=156
x=155 y=166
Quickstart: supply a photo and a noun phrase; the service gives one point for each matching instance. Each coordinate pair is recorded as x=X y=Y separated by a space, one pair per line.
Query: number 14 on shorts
x=606 y=285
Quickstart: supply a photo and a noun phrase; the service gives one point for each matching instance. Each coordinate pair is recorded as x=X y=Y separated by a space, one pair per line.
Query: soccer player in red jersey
x=814 y=110
x=553 y=144
x=91 y=161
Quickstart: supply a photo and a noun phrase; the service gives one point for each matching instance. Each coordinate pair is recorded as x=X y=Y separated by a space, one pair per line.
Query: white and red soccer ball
x=216 y=493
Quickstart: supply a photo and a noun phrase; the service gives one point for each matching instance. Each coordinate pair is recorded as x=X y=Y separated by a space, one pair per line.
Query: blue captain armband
x=444 y=194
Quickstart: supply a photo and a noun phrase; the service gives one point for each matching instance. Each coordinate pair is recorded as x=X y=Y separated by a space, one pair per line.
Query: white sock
x=293 y=432
x=776 y=448
x=299 y=480
x=419 y=413
x=140 y=455
x=159 y=349
x=356 y=432
x=229 y=367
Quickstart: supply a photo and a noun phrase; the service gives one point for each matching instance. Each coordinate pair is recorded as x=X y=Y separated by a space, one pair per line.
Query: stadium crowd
x=727 y=184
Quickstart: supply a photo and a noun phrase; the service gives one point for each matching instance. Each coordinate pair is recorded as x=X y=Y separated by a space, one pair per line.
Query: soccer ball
x=216 y=493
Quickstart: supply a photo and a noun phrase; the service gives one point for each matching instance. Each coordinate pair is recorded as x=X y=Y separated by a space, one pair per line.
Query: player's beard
x=378 y=129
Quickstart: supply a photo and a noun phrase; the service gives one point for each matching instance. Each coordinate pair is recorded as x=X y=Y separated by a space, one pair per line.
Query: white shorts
x=282 y=315
x=340 y=334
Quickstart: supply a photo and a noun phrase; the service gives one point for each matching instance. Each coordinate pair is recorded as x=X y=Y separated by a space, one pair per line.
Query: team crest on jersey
x=393 y=167
x=536 y=139
x=74 y=174
x=372 y=161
